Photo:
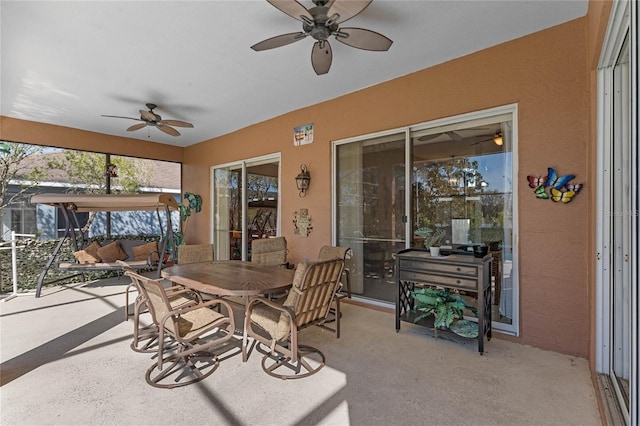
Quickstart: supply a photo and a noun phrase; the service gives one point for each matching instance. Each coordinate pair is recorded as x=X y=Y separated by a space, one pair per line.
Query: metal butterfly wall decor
x=560 y=188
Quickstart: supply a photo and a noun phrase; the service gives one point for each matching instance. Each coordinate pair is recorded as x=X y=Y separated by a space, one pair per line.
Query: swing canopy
x=107 y=202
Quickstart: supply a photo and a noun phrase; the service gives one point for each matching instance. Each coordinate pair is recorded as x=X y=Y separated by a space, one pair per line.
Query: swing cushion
x=142 y=252
x=89 y=254
x=112 y=252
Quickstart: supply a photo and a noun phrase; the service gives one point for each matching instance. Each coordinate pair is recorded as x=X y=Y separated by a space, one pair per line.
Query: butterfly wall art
x=561 y=190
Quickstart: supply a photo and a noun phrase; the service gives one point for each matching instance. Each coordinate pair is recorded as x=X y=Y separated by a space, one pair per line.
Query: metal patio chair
x=308 y=303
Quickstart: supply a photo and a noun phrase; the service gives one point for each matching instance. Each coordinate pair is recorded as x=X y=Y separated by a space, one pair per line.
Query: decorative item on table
x=480 y=250
x=433 y=241
x=446 y=307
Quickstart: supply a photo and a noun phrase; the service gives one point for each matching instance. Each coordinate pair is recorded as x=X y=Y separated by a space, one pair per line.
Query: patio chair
x=333 y=252
x=145 y=338
x=197 y=329
x=195 y=253
x=269 y=251
x=336 y=252
x=278 y=324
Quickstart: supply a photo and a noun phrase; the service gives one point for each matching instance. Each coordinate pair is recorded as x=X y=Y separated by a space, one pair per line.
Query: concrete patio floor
x=65 y=360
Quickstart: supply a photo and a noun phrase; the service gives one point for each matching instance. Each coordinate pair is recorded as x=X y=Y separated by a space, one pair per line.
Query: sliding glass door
x=617 y=236
x=370 y=195
x=460 y=172
x=462 y=191
x=246 y=205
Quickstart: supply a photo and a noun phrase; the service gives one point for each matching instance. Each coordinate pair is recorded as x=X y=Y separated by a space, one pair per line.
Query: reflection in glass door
x=462 y=191
x=246 y=205
x=370 y=195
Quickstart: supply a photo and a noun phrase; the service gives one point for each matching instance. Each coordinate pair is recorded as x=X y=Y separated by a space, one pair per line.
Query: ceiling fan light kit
x=322 y=22
x=151 y=119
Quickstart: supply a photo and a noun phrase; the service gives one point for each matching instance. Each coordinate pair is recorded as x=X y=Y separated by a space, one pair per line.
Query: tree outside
x=15 y=168
x=86 y=172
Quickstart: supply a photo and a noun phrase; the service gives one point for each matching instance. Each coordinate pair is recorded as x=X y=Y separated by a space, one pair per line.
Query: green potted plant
x=190 y=203
x=433 y=241
x=447 y=308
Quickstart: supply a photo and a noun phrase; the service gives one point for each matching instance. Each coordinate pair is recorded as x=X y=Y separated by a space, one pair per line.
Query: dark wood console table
x=416 y=268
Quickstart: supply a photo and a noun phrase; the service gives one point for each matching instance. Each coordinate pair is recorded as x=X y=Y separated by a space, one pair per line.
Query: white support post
x=14 y=265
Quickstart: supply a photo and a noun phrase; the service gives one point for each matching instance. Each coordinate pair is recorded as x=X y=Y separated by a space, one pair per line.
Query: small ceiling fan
x=321 y=22
x=150 y=118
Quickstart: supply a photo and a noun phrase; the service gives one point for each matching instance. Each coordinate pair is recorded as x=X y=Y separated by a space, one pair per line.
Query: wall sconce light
x=302 y=180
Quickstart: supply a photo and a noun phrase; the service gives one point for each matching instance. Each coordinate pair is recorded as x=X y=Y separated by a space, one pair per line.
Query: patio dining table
x=231 y=278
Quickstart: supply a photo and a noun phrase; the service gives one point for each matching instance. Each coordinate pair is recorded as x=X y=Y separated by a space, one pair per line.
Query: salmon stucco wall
x=544 y=74
x=23 y=131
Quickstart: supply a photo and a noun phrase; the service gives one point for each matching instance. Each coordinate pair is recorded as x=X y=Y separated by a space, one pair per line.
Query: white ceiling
x=67 y=63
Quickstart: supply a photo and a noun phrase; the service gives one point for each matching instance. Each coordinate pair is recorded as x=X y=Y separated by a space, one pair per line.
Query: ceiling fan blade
x=176 y=123
x=454 y=136
x=119 y=116
x=427 y=138
x=278 y=41
x=291 y=8
x=147 y=115
x=321 y=57
x=363 y=39
x=168 y=130
x=347 y=9
x=136 y=127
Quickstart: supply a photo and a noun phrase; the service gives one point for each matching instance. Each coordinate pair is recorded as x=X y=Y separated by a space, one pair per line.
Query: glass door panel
x=621 y=231
x=245 y=207
x=262 y=202
x=370 y=194
x=227 y=213
x=462 y=195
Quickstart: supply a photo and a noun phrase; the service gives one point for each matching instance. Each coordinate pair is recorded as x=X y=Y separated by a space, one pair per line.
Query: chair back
x=156 y=297
x=333 y=252
x=195 y=253
x=269 y=251
x=314 y=288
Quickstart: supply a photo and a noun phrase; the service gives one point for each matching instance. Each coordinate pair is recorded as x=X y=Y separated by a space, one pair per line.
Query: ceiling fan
x=150 y=118
x=321 y=22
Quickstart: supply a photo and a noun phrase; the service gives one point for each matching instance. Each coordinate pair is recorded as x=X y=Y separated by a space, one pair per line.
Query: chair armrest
x=177 y=291
x=277 y=306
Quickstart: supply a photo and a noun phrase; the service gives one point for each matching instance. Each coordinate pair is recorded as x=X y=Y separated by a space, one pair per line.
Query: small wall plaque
x=302 y=223
x=303 y=135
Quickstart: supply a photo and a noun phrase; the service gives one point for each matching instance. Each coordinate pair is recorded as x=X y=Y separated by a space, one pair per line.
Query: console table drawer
x=425 y=277
x=439 y=267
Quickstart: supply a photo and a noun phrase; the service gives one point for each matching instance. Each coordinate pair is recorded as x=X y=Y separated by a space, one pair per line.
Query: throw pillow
x=112 y=252
x=142 y=252
x=92 y=250
x=83 y=257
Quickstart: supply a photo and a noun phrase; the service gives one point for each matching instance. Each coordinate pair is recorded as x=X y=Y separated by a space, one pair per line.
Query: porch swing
x=70 y=204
